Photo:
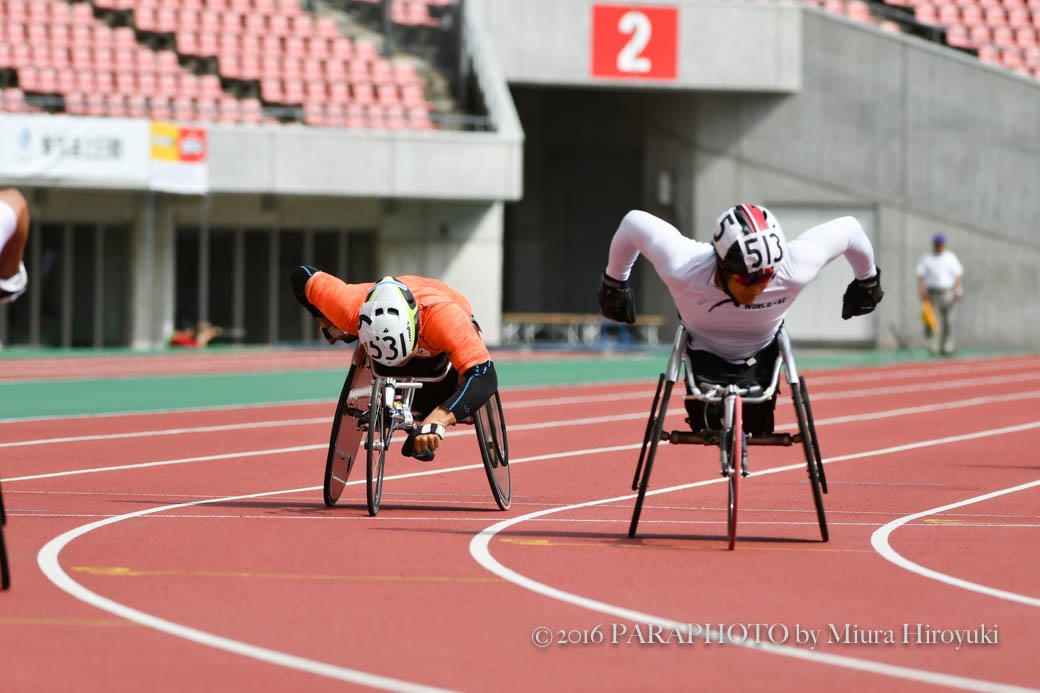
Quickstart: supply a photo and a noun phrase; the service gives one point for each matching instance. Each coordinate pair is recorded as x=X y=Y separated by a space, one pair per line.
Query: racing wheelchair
x=731 y=438
x=376 y=401
x=5 y=569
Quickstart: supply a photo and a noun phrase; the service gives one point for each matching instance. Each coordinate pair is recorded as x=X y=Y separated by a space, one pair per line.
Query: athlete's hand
x=862 y=296
x=616 y=300
x=422 y=442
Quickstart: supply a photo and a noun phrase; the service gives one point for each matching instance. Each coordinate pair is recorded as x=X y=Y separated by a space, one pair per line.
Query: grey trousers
x=945 y=304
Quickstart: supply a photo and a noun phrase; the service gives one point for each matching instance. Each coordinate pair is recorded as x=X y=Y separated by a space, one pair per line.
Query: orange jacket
x=445 y=316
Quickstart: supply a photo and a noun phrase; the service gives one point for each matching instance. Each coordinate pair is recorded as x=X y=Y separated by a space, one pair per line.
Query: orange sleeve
x=338 y=301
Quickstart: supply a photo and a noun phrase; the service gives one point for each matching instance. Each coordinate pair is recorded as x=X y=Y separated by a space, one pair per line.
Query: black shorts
x=707 y=367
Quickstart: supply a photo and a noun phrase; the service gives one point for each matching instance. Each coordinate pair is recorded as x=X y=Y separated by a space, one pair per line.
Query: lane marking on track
x=50 y=566
x=905 y=411
x=880 y=541
x=481 y=553
x=123 y=571
x=974 y=401
x=169 y=432
x=932 y=385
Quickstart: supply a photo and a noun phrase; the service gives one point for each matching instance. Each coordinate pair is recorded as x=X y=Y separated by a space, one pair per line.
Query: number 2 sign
x=634 y=41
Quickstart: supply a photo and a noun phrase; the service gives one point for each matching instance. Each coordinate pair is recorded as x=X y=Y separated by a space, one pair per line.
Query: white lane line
x=880 y=541
x=974 y=401
x=481 y=552
x=48 y=561
x=169 y=432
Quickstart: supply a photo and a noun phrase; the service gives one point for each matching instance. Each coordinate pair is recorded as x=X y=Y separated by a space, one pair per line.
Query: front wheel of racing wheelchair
x=731 y=439
x=373 y=406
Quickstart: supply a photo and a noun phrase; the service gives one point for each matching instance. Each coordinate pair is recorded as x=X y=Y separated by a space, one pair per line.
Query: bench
x=575 y=328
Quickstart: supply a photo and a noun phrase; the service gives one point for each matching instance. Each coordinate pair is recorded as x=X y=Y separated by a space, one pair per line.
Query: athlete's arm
x=825 y=242
x=657 y=240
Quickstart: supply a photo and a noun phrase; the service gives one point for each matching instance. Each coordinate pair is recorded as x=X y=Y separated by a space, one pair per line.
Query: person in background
x=14 y=280
x=14 y=232
x=940 y=278
x=198 y=336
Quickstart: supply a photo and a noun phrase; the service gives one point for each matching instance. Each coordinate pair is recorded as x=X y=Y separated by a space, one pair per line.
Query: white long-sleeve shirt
x=939 y=271
x=715 y=322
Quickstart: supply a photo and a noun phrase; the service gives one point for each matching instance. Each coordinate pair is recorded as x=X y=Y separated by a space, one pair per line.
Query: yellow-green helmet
x=389 y=323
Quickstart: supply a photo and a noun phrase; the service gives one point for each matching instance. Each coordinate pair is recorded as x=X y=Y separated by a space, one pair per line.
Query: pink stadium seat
x=326 y=27
x=1025 y=36
x=926 y=13
x=126 y=82
x=948 y=14
x=419 y=118
x=342 y=48
x=339 y=93
x=75 y=103
x=363 y=93
x=394 y=118
x=381 y=71
x=412 y=95
x=252 y=111
x=335 y=71
x=995 y=15
x=387 y=94
x=303 y=26
x=66 y=80
x=136 y=105
x=167 y=61
x=957 y=36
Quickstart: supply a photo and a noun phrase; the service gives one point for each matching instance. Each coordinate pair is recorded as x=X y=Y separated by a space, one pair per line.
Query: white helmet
x=749 y=242
x=389 y=322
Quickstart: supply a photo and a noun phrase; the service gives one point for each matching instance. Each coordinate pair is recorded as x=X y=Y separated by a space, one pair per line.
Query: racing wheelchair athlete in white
x=732 y=296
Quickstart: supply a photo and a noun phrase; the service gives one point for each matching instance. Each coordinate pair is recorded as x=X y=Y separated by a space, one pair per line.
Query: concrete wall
x=721 y=45
x=919 y=137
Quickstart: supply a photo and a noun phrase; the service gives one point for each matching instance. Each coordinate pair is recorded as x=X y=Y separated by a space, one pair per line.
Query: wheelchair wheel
x=380 y=430
x=347 y=432
x=5 y=569
x=812 y=432
x=813 y=461
x=654 y=426
x=732 y=446
x=494 y=449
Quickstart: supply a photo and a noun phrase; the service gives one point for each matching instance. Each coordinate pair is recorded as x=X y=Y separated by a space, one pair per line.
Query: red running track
x=192 y=551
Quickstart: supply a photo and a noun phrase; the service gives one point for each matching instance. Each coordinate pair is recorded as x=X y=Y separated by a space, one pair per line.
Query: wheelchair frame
x=379 y=403
x=5 y=568
x=731 y=439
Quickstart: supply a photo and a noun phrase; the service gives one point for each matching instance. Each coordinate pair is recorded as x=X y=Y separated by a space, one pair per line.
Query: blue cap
x=939 y=238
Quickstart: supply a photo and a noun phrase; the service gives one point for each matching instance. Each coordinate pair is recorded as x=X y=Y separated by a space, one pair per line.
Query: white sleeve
x=825 y=242
x=8 y=223
x=660 y=242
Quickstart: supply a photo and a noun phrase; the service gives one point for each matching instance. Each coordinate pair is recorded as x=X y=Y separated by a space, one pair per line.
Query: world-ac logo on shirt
x=768 y=304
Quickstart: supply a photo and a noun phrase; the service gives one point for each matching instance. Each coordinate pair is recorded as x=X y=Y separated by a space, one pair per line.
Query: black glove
x=298 y=282
x=616 y=300
x=862 y=296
